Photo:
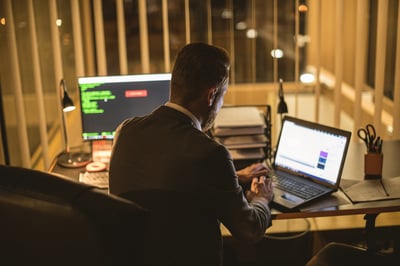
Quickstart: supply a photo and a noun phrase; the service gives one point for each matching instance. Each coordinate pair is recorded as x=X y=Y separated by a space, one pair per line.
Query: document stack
x=242 y=131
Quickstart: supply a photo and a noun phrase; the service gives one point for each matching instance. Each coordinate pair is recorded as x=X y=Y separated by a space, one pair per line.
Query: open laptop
x=310 y=158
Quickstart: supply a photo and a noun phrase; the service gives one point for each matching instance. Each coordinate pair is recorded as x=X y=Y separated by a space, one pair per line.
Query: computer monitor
x=106 y=101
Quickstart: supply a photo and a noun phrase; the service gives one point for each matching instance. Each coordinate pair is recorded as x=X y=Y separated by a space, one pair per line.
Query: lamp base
x=74 y=159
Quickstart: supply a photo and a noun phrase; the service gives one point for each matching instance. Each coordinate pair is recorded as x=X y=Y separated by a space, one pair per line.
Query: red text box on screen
x=136 y=93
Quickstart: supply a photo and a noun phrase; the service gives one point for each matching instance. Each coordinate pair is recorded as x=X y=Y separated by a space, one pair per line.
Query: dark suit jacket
x=189 y=184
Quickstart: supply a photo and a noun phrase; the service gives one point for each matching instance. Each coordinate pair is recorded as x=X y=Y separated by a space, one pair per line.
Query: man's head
x=199 y=80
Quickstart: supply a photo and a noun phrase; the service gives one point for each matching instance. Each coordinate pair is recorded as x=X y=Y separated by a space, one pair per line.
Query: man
x=165 y=162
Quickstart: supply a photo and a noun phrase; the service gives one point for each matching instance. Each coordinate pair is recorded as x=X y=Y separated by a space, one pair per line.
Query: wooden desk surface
x=71 y=173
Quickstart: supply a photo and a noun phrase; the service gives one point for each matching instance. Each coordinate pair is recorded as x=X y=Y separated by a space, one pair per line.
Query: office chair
x=49 y=220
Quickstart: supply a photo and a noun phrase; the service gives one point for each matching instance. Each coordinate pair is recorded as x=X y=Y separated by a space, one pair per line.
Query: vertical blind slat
x=275 y=27
x=57 y=57
x=360 y=61
x=77 y=33
x=37 y=79
x=144 y=37
x=16 y=81
x=338 y=62
x=123 y=62
x=99 y=35
x=167 y=60
x=187 y=21
x=380 y=62
x=253 y=41
x=318 y=61
x=232 y=45
x=396 y=107
x=209 y=22
x=296 y=56
x=88 y=39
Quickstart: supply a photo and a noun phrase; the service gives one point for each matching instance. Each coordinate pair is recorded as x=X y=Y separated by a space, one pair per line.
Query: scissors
x=368 y=135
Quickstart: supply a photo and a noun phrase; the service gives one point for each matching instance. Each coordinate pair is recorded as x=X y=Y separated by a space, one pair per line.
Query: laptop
x=308 y=162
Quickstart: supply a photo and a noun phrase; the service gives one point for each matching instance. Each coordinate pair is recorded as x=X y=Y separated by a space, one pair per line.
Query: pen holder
x=373 y=164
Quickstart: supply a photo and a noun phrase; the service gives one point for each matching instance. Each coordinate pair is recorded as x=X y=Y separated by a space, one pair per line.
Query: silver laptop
x=308 y=162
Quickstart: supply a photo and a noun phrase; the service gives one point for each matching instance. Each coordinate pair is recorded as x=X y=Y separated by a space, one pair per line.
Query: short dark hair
x=198 y=66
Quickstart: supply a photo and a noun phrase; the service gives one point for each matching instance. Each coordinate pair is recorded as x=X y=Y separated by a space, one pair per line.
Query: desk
x=71 y=173
x=336 y=204
x=332 y=205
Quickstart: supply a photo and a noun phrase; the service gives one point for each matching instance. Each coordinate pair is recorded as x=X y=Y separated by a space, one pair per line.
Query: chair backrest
x=181 y=226
x=46 y=219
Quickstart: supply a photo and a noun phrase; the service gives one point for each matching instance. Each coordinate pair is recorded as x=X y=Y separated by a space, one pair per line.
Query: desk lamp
x=282 y=106
x=68 y=158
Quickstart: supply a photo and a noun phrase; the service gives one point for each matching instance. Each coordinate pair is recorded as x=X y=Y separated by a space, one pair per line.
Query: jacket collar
x=195 y=121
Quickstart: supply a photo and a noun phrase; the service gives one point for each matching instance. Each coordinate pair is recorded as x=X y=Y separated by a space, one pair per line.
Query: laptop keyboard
x=304 y=191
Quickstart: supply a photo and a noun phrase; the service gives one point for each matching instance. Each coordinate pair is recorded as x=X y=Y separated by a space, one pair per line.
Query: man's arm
x=246 y=219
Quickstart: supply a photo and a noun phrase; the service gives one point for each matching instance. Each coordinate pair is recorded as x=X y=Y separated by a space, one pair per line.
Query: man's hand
x=246 y=174
x=261 y=188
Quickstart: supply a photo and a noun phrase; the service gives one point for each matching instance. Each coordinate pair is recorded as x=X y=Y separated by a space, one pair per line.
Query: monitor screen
x=106 y=101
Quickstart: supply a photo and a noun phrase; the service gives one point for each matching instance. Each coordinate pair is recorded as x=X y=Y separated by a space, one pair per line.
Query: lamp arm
x=280 y=92
x=66 y=146
x=63 y=119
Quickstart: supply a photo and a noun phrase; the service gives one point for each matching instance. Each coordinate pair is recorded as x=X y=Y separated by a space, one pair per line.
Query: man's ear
x=212 y=92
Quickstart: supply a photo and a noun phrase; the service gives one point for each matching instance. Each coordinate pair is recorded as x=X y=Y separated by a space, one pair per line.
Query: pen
x=384 y=188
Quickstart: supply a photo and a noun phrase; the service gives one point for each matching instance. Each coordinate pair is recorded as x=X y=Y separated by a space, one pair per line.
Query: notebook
x=308 y=162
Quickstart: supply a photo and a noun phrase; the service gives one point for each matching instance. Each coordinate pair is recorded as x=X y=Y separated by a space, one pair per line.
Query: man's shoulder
x=206 y=142
x=131 y=121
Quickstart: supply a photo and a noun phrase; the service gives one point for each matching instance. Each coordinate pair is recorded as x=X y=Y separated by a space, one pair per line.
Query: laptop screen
x=311 y=150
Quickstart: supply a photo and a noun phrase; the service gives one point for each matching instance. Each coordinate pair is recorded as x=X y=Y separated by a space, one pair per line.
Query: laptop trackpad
x=291 y=198
x=286 y=200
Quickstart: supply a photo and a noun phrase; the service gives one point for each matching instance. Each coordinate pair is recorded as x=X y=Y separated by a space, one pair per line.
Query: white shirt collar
x=196 y=122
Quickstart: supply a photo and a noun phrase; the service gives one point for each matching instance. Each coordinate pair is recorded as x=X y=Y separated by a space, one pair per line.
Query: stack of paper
x=242 y=131
x=233 y=121
x=243 y=141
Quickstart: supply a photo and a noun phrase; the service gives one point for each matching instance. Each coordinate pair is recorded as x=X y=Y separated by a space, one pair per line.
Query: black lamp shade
x=282 y=106
x=67 y=103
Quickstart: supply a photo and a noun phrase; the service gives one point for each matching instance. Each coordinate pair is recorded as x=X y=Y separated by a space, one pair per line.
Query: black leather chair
x=49 y=220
